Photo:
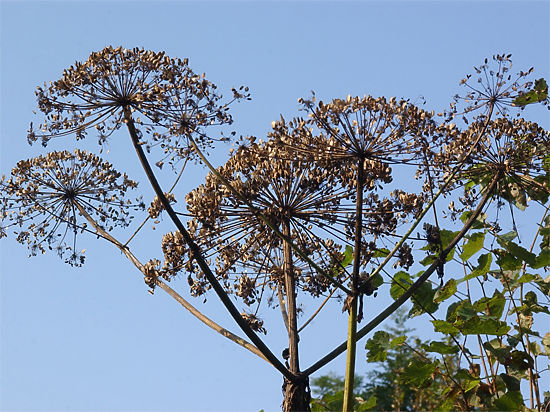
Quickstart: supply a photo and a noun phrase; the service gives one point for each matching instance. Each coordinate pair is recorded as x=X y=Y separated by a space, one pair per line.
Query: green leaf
x=446 y=291
x=478 y=223
x=537 y=94
x=498 y=350
x=518 y=251
x=400 y=283
x=368 y=404
x=451 y=312
x=348 y=256
x=542 y=260
x=493 y=306
x=399 y=340
x=444 y=327
x=483 y=326
x=377 y=346
x=428 y=260
x=473 y=245
x=377 y=281
x=346 y=261
x=423 y=300
x=484 y=264
x=417 y=372
x=446 y=237
x=508 y=237
x=442 y=348
x=512 y=383
x=471 y=384
x=465 y=311
x=526 y=278
x=507 y=261
x=510 y=401
x=381 y=253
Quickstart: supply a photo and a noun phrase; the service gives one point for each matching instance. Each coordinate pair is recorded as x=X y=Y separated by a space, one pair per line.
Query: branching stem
x=196 y=252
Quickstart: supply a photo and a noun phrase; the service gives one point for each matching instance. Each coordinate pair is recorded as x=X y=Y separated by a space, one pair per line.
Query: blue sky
x=92 y=338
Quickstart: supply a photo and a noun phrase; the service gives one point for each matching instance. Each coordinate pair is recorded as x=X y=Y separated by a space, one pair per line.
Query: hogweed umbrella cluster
x=47 y=200
x=164 y=95
x=493 y=88
x=285 y=191
x=516 y=148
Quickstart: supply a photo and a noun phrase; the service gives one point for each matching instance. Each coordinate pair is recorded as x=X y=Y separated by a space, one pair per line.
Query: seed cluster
x=47 y=200
x=165 y=95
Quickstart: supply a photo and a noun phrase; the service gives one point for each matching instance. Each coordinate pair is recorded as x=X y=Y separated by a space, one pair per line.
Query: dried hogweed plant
x=360 y=140
x=311 y=210
x=48 y=200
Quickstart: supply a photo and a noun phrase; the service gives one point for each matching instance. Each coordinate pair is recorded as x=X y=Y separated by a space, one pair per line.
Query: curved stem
x=414 y=287
x=175 y=295
x=196 y=253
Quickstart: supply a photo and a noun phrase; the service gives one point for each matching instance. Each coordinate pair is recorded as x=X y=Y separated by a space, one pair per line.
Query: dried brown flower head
x=166 y=95
x=517 y=149
x=492 y=87
x=47 y=200
x=355 y=128
x=156 y=206
x=248 y=254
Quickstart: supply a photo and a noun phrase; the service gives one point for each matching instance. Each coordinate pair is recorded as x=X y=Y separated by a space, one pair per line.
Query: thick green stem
x=197 y=254
x=352 y=316
x=351 y=347
x=414 y=287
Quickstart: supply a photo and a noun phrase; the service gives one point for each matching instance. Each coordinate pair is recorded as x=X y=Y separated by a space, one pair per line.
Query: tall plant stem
x=175 y=295
x=352 y=316
x=290 y=287
x=197 y=254
x=414 y=287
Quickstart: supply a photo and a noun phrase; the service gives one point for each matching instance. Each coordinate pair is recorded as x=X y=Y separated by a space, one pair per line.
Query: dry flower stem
x=290 y=288
x=197 y=255
x=176 y=296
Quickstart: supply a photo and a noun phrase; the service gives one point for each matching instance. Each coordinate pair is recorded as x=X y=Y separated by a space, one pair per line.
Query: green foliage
x=445 y=292
x=537 y=94
x=474 y=245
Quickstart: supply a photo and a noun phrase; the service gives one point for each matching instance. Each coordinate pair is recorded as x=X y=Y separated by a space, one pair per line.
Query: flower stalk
x=196 y=252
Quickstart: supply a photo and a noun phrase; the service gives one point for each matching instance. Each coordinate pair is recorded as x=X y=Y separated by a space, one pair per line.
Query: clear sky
x=92 y=338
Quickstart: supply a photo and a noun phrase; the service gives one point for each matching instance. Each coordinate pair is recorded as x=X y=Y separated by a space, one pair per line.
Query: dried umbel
x=289 y=193
x=371 y=134
x=254 y=322
x=156 y=206
x=164 y=95
x=376 y=129
x=50 y=199
x=517 y=149
x=493 y=88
